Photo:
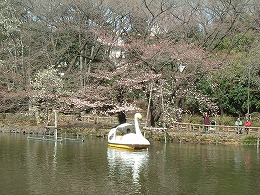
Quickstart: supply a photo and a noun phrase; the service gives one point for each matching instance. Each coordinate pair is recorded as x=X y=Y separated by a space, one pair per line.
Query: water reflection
x=54 y=162
x=37 y=167
x=125 y=162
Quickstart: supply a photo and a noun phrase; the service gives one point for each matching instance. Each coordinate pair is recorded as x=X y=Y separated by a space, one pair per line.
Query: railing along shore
x=175 y=127
x=190 y=127
x=107 y=122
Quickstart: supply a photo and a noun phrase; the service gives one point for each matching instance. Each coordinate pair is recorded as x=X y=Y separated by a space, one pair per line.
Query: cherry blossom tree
x=114 y=54
x=47 y=89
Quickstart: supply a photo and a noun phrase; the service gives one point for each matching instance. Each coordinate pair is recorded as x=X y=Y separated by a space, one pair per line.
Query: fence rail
x=176 y=126
x=190 y=127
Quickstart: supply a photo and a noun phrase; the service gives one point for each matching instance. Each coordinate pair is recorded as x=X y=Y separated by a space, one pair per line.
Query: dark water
x=41 y=167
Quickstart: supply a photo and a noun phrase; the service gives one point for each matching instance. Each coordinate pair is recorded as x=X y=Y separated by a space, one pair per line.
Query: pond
x=90 y=167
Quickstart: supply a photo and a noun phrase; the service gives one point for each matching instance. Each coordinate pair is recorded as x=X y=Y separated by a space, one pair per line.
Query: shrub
x=249 y=140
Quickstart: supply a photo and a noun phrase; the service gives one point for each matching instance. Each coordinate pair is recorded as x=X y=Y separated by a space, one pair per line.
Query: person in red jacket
x=247 y=125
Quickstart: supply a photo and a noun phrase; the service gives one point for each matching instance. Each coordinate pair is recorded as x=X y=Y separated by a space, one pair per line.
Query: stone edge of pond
x=181 y=137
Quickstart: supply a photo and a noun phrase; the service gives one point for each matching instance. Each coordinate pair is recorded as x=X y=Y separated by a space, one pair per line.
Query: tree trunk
x=121 y=117
x=154 y=117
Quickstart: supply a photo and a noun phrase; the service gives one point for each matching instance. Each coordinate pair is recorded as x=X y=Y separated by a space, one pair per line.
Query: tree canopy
x=114 y=56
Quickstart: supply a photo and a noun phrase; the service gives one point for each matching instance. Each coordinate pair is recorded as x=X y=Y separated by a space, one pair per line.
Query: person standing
x=206 y=121
x=247 y=125
x=238 y=123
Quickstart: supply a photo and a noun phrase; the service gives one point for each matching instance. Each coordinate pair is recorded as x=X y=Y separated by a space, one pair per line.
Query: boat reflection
x=127 y=163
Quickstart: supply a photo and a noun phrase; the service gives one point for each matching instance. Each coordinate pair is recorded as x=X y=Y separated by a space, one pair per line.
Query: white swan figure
x=128 y=136
x=137 y=129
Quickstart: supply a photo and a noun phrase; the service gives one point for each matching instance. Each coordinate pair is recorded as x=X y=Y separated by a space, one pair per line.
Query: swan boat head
x=138 y=116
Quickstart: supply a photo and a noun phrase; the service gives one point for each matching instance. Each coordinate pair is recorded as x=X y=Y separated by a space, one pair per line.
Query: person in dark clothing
x=206 y=121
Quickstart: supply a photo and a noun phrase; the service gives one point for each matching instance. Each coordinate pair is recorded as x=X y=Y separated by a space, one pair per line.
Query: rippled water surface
x=90 y=167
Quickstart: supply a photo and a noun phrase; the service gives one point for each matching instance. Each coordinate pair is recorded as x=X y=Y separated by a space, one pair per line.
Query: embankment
x=171 y=135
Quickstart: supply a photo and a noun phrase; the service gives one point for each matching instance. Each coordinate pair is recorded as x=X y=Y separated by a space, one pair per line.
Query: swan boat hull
x=125 y=136
x=129 y=146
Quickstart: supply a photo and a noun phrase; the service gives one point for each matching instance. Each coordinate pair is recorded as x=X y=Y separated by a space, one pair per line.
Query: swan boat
x=128 y=136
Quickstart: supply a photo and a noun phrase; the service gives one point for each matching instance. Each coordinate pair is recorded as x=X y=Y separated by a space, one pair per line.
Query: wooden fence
x=190 y=127
x=92 y=119
x=176 y=126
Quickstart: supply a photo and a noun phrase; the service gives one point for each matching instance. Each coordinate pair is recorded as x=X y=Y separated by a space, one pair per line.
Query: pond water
x=90 y=167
